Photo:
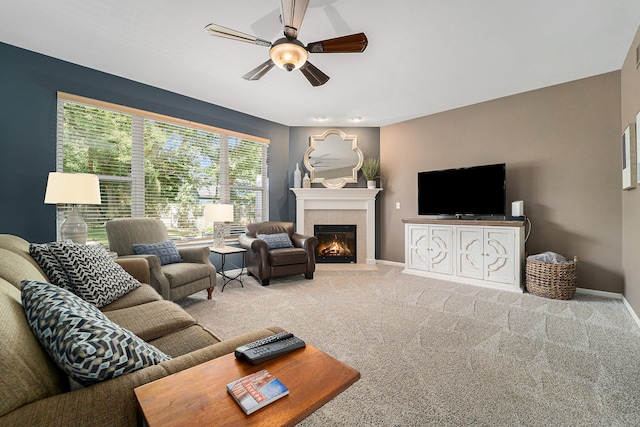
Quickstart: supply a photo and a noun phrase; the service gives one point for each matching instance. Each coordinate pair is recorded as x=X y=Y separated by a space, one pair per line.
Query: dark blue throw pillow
x=276 y=241
x=166 y=251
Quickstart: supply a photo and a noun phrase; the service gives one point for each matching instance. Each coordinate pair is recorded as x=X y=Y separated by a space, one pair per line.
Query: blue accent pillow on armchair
x=166 y=251
x=276 y=241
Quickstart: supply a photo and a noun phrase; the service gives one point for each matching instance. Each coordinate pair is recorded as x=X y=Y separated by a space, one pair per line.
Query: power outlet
x=397 y=205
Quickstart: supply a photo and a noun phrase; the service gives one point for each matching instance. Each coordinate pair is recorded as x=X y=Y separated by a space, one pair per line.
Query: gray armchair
x=172 y=281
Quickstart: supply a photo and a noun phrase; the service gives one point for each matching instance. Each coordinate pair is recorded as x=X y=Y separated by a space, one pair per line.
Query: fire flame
x=334 y=247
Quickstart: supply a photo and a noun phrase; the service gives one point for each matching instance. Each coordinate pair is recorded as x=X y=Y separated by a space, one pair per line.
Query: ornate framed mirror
x=333 y=158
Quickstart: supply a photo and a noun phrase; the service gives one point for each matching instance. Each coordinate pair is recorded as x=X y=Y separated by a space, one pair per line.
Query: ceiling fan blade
x=313 y=74
x=293 y=12
x=346 y=44
x=260 y=70
x=220 y=31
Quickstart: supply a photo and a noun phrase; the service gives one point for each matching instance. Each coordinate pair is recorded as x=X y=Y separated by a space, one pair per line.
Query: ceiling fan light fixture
x=288 y=54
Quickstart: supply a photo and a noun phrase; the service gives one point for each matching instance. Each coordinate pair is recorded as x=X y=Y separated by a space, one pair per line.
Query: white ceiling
x=424 y=56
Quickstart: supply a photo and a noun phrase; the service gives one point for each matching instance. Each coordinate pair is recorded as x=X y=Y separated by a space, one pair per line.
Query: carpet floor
x=439 y=353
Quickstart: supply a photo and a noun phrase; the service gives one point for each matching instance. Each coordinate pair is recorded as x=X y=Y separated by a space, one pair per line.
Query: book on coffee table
x=256 y=390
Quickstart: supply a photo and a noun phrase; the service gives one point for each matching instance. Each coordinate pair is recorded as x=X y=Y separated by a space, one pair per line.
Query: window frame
x=137 y=176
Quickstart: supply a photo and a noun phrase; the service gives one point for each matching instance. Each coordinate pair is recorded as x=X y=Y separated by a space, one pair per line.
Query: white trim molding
x=613 y=295
x=631 y=311
x=313 y=199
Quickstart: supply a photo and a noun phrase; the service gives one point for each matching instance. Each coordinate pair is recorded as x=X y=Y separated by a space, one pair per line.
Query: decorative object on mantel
x=333 y=159
x=306 y=182
x=297 y=177
x=371 y=171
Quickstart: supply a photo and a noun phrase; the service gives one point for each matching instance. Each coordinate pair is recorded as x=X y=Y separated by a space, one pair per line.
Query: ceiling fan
x=288 y=52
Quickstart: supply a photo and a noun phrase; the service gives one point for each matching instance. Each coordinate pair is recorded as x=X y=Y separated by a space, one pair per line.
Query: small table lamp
x=218 y=214
x=73 y=188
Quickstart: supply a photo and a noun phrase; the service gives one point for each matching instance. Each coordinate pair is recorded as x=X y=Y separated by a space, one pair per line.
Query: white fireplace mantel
x=308 y=199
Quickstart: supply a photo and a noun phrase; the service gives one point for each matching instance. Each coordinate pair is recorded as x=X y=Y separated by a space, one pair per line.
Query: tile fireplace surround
x=340 y=206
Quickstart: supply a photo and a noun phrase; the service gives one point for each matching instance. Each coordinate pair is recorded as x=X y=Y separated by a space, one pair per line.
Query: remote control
x=272 y=350
x=273 y=338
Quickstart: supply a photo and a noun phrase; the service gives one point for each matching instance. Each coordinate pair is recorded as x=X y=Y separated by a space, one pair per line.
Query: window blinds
x=157 y=166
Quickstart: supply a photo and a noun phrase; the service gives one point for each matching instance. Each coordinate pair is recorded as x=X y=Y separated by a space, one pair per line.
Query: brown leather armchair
x=264 y=263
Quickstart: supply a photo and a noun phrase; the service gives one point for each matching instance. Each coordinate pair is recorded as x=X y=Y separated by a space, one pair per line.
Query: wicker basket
x=551 y=280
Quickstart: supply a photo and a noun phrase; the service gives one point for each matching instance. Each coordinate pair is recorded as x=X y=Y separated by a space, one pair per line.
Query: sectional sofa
x=34 y=390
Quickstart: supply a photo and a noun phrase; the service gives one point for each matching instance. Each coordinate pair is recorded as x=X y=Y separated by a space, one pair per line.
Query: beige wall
x=630 y=85
x=562 y=148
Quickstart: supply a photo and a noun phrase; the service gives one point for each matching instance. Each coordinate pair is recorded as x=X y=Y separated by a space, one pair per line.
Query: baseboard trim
x=393 y=263
x=613 y=295
x=604 y=294
x=631 y=311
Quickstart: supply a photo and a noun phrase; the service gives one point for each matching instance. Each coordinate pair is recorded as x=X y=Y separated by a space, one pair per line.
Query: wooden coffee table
x=198 y=396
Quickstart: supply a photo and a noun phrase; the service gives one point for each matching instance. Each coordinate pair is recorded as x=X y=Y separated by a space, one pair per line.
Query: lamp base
x=218 y=235
x=74 y=228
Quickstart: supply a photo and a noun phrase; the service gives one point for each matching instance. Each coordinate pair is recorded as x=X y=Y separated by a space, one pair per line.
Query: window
x=160 y=167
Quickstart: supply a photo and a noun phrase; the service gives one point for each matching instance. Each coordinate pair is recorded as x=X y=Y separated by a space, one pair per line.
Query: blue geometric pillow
x=166 y=251
x=276 y=241
x=80 y=339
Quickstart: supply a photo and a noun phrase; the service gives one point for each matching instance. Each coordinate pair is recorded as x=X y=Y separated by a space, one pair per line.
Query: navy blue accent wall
x=28 y=86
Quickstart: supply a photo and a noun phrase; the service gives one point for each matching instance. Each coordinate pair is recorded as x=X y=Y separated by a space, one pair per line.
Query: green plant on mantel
x=371 y=168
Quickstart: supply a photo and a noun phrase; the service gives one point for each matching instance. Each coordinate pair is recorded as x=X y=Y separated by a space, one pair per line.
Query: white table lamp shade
x=73 y=188
x=218 y=214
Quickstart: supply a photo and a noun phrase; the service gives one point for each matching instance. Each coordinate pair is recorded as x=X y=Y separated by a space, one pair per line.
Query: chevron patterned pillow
x=92 y=274
x=166 y=251
x=49 y=263
x=81 y=340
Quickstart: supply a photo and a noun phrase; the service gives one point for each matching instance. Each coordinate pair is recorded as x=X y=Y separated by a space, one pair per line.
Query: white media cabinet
x=477 y=252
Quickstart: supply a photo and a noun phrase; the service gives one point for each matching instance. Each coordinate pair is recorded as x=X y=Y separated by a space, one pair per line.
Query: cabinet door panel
x=418 y=248
x=440 y=252
x=499 y=256
x=469 y=259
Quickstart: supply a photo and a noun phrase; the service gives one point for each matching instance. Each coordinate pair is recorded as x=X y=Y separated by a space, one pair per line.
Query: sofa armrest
x=137 y=267
x=257 y=253
x=254 y=244
x=309 y=243
x=157 y=277
x=113 y=403
x=197 y=255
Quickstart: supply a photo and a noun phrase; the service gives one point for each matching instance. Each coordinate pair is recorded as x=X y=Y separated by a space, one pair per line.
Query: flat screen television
x=477 y=191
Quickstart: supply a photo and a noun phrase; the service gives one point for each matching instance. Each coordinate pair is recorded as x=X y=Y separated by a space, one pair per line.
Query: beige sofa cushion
x=185 y=341
x=138 y=296
x=20 y=247
x=27 y=372
x=152 y=320
x=14 y=268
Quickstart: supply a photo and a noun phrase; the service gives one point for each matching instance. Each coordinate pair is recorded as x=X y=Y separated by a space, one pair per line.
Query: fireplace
x=336 y=243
